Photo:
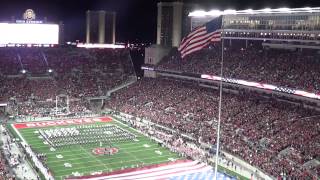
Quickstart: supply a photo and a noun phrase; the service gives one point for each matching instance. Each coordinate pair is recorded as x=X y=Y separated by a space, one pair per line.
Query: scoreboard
x=29 y=31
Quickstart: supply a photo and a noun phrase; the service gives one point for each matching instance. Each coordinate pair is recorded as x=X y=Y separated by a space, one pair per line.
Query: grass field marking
x=127 y=144
x=76 y=169
x=151 y=151
x=65 y=157
x=116 y=120
x=86 y=162
x=96 y=159
x=20 y=136
x=141 y=133
x=25 y=142
x=164 y=156
x=125 y=151
x=41 y=145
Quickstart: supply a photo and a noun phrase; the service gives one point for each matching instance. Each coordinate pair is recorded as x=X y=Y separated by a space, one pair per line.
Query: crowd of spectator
x=275 y=136
x=49 y=72
x=3 y=168
x=255 y=128
x=286 y=68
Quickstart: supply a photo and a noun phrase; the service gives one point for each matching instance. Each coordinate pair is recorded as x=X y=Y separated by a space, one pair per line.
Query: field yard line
x=125 y=144
x=23 y=140
x=140 y=133
x=97 y=159
x=169 y=155
x=109 y=164
x=84 y=153
x=110 y=158
x=43 y=145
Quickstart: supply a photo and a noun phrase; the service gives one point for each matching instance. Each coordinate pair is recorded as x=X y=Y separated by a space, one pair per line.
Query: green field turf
x=83 y=161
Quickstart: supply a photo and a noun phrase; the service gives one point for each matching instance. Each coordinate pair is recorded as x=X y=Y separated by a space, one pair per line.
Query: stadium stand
x=275 y=136
x=49 y=72
x=285 y=68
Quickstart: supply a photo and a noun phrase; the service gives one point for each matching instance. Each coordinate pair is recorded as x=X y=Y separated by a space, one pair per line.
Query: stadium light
x=308 y=9
x=266 y=10
x=229 y=11
x=23 y=71
x=284 y=10
x=50 y=70
x=215 y=12
x=198 y=13
x=249 y=11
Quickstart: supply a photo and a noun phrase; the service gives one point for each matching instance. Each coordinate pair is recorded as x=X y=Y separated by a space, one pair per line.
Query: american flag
x=201 y=37
x=179 y=170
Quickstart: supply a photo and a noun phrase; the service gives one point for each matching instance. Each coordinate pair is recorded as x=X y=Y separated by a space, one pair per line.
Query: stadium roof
x=201 y=13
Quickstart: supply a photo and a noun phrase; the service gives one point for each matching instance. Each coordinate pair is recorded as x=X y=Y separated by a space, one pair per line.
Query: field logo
x=29 y=15
x=105 y=151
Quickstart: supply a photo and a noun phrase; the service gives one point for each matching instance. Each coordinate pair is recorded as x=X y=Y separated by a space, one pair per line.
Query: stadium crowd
x=3 y=168
x=258 y=129
x=275 y=136
x=50 y=72
x=286 y=68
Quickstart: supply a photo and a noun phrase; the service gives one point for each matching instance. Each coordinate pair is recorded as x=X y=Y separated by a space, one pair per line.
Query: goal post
x=62 y=104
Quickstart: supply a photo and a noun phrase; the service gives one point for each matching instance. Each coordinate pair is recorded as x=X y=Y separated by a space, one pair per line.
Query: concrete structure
x=153 y=56
x=172 y=23
x=155 y=53
x=100 y=27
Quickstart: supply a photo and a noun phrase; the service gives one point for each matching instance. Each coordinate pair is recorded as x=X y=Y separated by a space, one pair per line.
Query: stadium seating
x=3 y=167
x=297 y=70
x=78 y=73
x=274 y=136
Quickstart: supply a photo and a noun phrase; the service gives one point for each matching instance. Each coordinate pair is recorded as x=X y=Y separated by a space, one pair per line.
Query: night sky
x=136 y=19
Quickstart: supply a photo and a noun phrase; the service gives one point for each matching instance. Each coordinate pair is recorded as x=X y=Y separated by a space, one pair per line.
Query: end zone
x=61 y=122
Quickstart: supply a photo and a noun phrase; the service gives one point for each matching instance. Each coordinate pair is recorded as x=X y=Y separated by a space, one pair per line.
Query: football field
x=92 y=153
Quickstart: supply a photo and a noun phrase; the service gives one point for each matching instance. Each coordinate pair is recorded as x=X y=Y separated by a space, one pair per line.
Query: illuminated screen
x=29 y=33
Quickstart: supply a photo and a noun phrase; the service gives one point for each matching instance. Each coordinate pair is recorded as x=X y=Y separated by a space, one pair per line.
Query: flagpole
x=220 y=104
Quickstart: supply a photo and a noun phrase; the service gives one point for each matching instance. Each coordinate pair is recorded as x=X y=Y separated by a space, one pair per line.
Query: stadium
x=221 y=94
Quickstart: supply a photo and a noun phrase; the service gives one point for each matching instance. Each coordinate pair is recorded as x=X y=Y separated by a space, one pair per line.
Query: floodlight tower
x=100 y=27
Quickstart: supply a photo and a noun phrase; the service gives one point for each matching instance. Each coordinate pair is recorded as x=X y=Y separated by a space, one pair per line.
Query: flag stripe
x=185 y=41
x=201 y=37
x=199 y=46
x=208 y=38
x=197 y=39
x=181 y=170
x=199 y=30
x=211 y=37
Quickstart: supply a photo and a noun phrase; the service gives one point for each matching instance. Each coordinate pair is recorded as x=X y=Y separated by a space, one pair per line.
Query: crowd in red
x=257 y=129
x=50 y=72
x=278 y=137
x=285 y=68
x=3 y=167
